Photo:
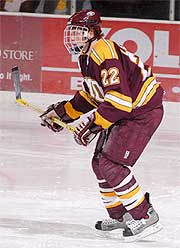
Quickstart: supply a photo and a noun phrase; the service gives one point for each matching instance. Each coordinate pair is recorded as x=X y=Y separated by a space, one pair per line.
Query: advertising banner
x=20 y=45
x=35 y=44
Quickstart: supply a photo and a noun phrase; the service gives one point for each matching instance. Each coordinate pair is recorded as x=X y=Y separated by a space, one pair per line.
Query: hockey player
x=127 y=104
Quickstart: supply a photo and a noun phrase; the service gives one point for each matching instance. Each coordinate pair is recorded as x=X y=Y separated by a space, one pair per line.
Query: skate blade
x=114 y=234
x=147 y=232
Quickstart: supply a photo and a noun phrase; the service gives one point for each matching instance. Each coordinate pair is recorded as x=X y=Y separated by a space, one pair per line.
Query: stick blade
x=16 y=81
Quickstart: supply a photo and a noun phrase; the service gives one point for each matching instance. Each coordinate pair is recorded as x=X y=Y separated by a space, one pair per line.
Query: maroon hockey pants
x=121 y=148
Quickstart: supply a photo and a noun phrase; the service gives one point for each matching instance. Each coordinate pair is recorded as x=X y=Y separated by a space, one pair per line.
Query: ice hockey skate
x=139 y=229
x=112 y=224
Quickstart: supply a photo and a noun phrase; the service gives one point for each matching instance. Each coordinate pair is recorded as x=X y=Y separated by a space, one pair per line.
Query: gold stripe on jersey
x=112 y=49
x=119 y=100
x=147 y=91
x=74 y=114
x=104 y=49
x=100 y=121
x=87 y=97
x=96 y=57
x=153 y=91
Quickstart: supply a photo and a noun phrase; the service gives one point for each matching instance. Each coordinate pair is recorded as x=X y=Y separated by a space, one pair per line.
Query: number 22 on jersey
x=110 y=76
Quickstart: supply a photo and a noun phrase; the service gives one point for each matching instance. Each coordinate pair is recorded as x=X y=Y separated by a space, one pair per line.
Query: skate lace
x=135 y=224
x=109 y=221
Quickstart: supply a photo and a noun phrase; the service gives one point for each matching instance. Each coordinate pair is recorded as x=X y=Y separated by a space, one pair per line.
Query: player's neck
x=86 y=50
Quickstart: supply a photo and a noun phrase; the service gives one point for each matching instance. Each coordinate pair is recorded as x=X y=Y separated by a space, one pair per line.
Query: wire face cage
x=74 y=38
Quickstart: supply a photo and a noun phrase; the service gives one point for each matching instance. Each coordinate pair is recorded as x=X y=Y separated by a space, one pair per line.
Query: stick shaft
x=17 y=87
x=16 y=81
x=40 y=111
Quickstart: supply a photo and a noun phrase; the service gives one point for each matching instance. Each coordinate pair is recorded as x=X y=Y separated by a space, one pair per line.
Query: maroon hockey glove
x=55 y=110
x=86 y=131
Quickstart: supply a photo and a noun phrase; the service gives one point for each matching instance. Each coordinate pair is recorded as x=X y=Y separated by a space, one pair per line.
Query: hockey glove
x=86 y=131
x=55 y=110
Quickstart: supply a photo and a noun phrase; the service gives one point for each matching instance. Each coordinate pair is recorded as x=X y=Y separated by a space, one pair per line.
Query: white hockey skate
x=112 y=224
x=139 y=229
x=133 y=230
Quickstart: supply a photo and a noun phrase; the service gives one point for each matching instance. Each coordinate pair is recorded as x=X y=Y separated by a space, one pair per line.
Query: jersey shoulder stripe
x=104 y=49
x=146 y=93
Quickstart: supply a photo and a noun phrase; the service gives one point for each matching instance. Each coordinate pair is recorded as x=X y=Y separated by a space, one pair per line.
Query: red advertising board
x=20 y=44
x=35 y=44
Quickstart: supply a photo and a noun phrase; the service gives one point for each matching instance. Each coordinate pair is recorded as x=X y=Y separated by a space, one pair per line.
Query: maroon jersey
x=116 y=83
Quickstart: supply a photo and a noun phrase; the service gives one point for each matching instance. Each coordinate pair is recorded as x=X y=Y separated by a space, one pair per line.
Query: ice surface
x=48 y=193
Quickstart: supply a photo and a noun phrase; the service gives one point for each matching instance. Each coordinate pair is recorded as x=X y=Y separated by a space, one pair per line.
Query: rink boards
x=35 y=43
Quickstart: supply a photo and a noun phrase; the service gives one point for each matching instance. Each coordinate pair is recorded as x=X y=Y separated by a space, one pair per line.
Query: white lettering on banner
x=161 y=51
x=176 y=90
x=106 y=31
x=17 y=54
x=144 y=45
x=1 y=75
x=23 y=76
x=76 y=83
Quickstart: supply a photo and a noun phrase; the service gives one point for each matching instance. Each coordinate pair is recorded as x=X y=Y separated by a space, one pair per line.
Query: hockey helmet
x=78 y=27
x=85 y=18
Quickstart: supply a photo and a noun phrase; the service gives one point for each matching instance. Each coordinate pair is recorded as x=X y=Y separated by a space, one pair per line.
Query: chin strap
x=88 y=44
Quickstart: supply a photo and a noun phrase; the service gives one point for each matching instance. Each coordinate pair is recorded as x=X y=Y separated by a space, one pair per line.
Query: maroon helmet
x=78 y=26
x=85 y=18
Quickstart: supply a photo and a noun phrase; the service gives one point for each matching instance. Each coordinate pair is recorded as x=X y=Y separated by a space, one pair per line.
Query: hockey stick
x=19 y=100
